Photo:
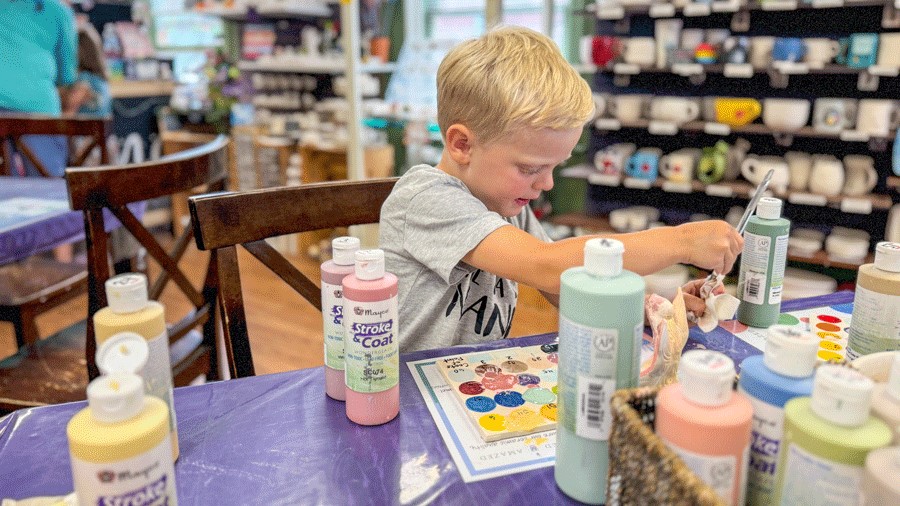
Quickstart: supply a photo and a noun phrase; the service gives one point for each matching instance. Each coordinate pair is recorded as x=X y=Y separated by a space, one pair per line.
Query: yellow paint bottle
x=131 y=310
x=119 y=445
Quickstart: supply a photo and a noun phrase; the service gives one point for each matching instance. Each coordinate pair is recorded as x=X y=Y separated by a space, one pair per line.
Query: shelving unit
x=725 y=6
x=312 y=67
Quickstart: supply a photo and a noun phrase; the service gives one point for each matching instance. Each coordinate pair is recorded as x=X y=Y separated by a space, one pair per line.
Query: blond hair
x=508 y=79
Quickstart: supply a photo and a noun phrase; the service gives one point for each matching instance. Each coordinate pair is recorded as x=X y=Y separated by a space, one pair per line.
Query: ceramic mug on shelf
x=600 y=104
x=799 y=167
x=820 y=51
x=677 y=110
x=785 y=114
x=833 y=115
x=691 y=38
x=892 y=228
x=679 y=166
x=736 y=154
x=826 y=176
x=876 y=117
x=761 y=51
x=889 y=50
x=861 y=176
x=644 y=164
x=627 y=108
x=605 y=49
x=667 y=33
x=860 y=50
x=754 y=169
x=640 y=51
x=788 y=49
x=736 y=112
x=713 y=163
x=611 y=160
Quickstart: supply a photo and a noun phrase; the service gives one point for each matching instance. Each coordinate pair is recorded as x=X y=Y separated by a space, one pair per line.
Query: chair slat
x=234 y=319
x=285 y=270
x=178 y=250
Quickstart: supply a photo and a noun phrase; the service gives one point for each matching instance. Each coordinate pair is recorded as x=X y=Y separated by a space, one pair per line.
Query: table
x=277 y=439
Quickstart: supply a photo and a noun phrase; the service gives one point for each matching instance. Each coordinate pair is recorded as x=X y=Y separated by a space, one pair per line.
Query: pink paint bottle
x=706 y=423
x=371 y=348
x=333 y=273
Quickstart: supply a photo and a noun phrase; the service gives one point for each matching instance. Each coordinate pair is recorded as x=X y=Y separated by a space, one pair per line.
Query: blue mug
x=644 y=164
x=788 y=49
x=859 y=51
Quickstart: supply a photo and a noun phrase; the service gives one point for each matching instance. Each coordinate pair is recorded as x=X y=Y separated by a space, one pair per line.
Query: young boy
x=461 y=235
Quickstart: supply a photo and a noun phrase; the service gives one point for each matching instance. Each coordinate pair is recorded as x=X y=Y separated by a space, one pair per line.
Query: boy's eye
x=529 y=170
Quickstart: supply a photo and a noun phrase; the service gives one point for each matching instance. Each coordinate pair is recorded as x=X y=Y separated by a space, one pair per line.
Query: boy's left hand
x=692 y=300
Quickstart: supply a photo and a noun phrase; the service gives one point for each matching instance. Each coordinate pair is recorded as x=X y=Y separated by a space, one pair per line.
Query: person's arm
x=66 y=55
x=514 y=254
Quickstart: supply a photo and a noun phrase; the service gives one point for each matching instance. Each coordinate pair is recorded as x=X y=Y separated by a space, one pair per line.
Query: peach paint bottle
x=371 y=349
x=706 y=423
x=333 y=273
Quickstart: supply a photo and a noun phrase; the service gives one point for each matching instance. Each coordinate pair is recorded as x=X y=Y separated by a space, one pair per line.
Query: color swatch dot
x=829 y=355
x=548 y=375
x=733 y=326
x=493 y=423
x=523 y=419
x=509 y=399
x=553 y=357
x=528 y=379
x=539 y=396
x=481 y=358
x=555 y=389
x=549 y=411
x=787 y=319
x=829 y=319
x=830 y=345
x=461 y=375
x=844 y=308
x=497 y=381
x=514 y=366
x=480 y=404
x=828 y=335
x=483 y=369
x=828 y=327
x=471 y=388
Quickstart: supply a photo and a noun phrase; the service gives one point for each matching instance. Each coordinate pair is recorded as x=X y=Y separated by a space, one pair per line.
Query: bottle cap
x=343 y=249
x=127 y=293
x=125 y=352
x=769 y=208
x=841 y=395
x=603 y=257
x=706 y=377
x=887 y=256
x=790 y=352
x=116 y=397
x=893 y=383
x=369 y=264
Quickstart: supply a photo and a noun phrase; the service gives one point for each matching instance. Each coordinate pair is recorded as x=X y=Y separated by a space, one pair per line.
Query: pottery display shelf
x=666 y=10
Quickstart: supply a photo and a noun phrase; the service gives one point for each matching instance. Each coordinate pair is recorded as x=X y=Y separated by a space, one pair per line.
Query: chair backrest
x=93 y=189
x=14 y=126
x=223 y=221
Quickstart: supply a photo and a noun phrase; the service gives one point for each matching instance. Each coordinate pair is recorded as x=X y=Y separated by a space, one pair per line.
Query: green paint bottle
x=601 y=324
x=826 y=439
x=763 y=261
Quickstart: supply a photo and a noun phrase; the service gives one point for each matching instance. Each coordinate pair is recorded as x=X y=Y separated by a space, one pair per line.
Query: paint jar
x=706 y=423
x=120 y=446
x=131 y=310
x=784 y=371
x=333 y=273
x=826 y=439
x=371 y=348
x=761 y=278
x=876 y=304
x=886 y=399
x=601 y=324
x=880 y=485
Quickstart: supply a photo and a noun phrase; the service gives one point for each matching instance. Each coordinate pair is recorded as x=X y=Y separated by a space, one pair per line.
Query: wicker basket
x=642 y=469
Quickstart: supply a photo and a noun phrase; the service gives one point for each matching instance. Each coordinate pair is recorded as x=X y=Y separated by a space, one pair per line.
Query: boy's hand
x=711 y=244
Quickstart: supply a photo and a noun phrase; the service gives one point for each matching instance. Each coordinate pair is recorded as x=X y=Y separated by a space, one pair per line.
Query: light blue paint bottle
x=601 y=308
x=782 y=372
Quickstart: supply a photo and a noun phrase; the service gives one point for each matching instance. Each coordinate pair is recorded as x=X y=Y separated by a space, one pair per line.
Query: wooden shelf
x=631 y=10
x=297 y=10
x=821 y=258
x=719 y=68
x=136 y=89
x=309 y=66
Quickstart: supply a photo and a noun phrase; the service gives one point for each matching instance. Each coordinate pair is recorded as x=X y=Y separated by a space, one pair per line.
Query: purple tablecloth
x=23 y=236
x=277 y=439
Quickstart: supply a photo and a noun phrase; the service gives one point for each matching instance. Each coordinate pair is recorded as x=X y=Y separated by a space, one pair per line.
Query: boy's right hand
x=711 y=244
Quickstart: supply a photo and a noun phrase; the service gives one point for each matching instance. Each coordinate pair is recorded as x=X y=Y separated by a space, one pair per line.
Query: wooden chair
x=57 y=369
x=221 y=222
x=35 y=285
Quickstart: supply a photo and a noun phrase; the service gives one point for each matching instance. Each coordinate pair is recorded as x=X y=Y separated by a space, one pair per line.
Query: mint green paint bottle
x=763 y=261
x=827 y=438
x=601 y=309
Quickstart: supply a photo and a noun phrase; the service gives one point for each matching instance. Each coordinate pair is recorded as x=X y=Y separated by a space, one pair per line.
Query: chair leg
x=25 y=327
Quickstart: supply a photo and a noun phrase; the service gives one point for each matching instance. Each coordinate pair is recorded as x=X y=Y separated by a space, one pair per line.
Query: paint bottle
x=120 y=446
x=706 y=423
x=601 y=313
x=763 y=261
x=886 y=399
x=131 y=310
x=784 y=371
x=826 y=439
x=371 y=349
x=876 y=304
x=880 y=485
x=333 y=273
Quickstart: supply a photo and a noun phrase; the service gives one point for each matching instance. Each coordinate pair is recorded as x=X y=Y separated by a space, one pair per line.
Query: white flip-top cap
x=116 y=397
x=127 y=293
x=706 y=377
x=887 y=256
x=603 y=257
x=369 y=264
x=343 y=250
x=125 y=352
x=790 y=352
x=841 y=395
x=893 y=383
x=769 y=208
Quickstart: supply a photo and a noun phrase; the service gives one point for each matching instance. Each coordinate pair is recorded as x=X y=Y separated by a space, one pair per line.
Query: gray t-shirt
x=428 y=224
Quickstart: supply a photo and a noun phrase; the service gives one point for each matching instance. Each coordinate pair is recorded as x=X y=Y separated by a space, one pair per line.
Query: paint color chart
x=505 y=393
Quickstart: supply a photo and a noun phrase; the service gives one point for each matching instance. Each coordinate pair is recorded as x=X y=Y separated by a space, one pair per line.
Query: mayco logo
x=338 y=294
x=152 y=494
x=106 y=476
x=358 y=311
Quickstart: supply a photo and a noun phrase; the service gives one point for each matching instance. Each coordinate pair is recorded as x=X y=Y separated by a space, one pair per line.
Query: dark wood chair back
x=91 y=190
x=14 y=126
x=222 y=222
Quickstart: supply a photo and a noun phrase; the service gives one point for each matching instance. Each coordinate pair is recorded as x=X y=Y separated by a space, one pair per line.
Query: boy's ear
x=459 y=143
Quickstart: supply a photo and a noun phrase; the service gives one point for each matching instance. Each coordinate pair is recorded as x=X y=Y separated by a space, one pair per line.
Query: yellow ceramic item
x=737 y=112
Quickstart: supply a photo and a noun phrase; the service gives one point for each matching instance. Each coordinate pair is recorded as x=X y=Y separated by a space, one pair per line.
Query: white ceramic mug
x=754 y=169
x=833 y=115
x=639 y=51
x=691 y=38
x=627 y=108
x=889 y=50
x=820 y=51
x=826 y=176
x=861 y=175
x=892 y=229
x=876 y=117
x=600 y=104
x=785 y=114
x=667 y=33
x=799 y=167
x=611 y=161
x=679 y=166
x=761 y=51
x=675 y=109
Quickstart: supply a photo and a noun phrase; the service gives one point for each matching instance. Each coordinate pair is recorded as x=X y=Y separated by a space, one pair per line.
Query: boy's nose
x=545 y=182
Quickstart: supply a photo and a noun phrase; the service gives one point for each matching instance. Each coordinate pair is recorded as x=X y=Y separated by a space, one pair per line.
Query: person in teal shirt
x=38 y=62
